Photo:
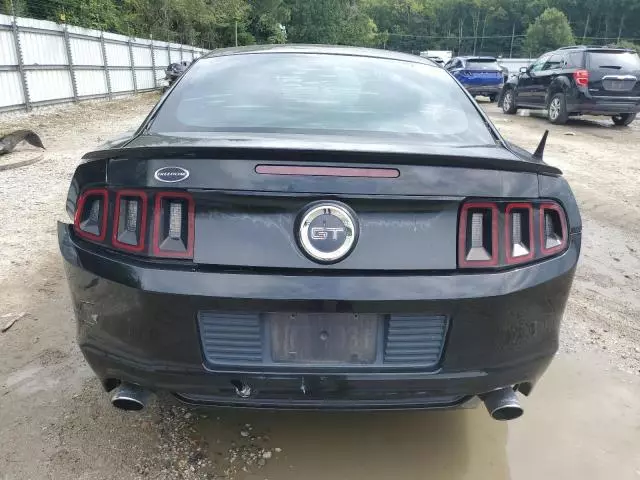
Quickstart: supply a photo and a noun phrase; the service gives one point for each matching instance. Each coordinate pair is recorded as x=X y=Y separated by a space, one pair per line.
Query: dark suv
x=578 y=81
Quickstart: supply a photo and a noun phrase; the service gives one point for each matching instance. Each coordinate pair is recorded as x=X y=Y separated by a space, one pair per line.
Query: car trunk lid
x=249 y=201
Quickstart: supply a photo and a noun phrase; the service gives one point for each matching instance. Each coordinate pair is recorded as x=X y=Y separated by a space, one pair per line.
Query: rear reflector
x=130 y=220
x=519 y=233
x=581 y=78
x=327 y=171
x=90 y=219
x=478 y=235
x=174 y=225
x=553 y=228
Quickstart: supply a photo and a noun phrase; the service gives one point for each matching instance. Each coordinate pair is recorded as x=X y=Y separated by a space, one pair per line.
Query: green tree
x=551 y=30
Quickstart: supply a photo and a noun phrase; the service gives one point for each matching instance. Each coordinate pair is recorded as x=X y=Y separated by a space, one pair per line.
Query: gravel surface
x=56 y=422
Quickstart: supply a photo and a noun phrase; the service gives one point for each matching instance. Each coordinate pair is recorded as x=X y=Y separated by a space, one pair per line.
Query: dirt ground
x=583 y=421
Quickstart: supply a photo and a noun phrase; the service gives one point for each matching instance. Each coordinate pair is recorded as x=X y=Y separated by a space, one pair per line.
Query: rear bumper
x=137 y=322
x=484 y=89
x=603 y=105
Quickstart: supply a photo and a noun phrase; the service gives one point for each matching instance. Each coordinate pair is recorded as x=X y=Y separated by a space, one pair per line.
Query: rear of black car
x=608 y=83
x=200 y=260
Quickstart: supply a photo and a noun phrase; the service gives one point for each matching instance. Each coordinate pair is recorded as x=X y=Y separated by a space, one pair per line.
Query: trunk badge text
x=327 y=232
x=171 y=174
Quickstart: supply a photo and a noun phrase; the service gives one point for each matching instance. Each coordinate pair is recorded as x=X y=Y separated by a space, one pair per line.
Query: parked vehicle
x=437 y=60
x=366 y=241
x=174 y=71
x=479 y=75
x=578 y=80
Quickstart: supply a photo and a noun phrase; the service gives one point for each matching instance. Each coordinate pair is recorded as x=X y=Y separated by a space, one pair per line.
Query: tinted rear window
x=627 y=61
x=482 y=64
x=322 y=94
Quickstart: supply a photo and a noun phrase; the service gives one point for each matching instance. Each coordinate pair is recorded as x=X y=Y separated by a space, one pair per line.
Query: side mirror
x=524 y=69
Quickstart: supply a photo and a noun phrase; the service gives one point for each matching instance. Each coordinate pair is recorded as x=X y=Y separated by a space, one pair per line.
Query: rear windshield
x=322 y=94
x=482 y=64
x=626 y=61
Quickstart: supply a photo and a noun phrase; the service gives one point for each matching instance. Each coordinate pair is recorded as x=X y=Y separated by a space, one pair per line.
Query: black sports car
x=319 y=227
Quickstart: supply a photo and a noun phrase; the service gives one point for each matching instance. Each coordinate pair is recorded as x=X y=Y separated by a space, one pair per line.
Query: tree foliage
x=497 y=27
x=550 y=31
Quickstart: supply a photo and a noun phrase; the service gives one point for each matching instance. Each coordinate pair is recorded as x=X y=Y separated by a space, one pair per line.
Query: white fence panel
x=7 y=49
x=144 y=79
x=86 y=52
x=117 y=55
x=39 y=49
x=91 y=83
x=175 y=56
x=47 y=85
x=142 y=56
x=162 y=56
x=55 y=63
x=11 y=91
x=121 y=81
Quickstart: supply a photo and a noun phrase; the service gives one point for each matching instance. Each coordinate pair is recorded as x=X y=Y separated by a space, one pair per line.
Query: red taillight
x=130 y=220
x=518 y=229
x=581 y=77
x=174 y=225
x=90 y=220
x=553 y=229
x=480 y=246
x=478 y=235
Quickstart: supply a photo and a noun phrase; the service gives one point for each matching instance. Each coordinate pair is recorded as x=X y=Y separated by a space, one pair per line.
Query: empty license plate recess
x=323 y=338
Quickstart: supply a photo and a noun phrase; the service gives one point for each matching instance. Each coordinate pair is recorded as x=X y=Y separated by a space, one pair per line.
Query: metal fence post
x=23 y=76
x=72 y=70
x=168 y=54
x=105 y=64
x=133 y=67
x=153 y=65
x=181 y=54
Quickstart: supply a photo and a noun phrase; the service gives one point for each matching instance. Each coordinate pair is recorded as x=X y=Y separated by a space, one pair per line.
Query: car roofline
x=319 y=50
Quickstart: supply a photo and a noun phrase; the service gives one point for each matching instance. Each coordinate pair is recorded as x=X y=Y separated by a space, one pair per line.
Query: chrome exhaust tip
x=503 y=404
x=130 y=397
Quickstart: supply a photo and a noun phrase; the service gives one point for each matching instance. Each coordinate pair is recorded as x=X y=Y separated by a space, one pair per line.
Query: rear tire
x=492 y=98
x=624 y=119
x=558 y=109
x=509 y=102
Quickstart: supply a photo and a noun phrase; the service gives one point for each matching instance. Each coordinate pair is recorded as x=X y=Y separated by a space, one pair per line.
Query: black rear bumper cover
x=137 y=323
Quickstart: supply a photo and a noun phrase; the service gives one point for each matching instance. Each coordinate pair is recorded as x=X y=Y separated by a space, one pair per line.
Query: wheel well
x=553 y=89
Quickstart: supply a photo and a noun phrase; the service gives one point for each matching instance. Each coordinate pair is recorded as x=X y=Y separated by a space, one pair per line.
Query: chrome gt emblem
x=171 y=174
x=328 y=232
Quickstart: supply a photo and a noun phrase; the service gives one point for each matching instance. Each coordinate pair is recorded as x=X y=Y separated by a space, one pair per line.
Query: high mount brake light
x=480 y=245
x=170 y=215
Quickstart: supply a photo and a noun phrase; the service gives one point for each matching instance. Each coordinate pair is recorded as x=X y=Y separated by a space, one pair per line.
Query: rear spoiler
x=487 y=158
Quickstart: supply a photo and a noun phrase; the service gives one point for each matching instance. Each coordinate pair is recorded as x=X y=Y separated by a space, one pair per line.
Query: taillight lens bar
x=519 y=238
x=481 y=246
x=581 y=78
x=478 y=237
x=130 y=220
x=553 y=228
x=122 y=218
x=90 y=220
x=174 y=225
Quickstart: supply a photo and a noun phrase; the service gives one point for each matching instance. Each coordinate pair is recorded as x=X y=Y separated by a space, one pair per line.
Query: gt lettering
x=322 y=233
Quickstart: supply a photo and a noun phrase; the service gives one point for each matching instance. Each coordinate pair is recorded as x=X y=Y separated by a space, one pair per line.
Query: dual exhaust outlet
x=502 y=404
